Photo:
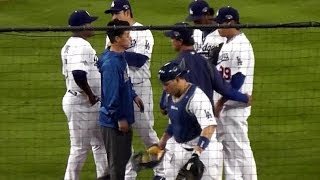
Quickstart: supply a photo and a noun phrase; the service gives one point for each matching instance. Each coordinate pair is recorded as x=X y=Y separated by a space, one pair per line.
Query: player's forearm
x=221 y=101
x=80 y=78
x=163 y=140
x=226 y=90
x=204 y=139
x=208 y=131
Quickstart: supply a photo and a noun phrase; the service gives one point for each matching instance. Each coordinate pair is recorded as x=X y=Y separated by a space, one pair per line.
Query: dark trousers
x=118 y=147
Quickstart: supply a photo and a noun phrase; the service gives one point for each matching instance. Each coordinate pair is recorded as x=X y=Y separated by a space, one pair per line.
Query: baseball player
x=202 y=75
x=205 y=40
x=191 y=125
x=200 y=13
x=138 y=56
x=117 y=97
x=200 y=72
x=80 y=102
x=236 y=65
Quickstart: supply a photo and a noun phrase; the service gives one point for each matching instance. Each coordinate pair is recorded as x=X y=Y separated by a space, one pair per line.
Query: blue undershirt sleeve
x=237 y=80
x=79 y=75
x=163 y=100
x=169 y=130
x=226 y=89
x=136 y=59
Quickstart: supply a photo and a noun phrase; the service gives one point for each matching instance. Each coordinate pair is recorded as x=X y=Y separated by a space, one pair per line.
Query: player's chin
x=127 y=46
x=222 y=32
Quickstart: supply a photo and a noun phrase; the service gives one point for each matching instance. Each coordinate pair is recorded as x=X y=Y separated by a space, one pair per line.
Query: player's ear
x=127 y=13
x=117 y=38
x=232 y=22
x=180 y=41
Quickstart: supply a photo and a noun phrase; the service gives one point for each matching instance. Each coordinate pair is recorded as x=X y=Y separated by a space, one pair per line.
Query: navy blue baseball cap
x=81 y=17
x=183 y=33
x=197 y=9
x=226 y=14
x=171 y=70
x=118 y=5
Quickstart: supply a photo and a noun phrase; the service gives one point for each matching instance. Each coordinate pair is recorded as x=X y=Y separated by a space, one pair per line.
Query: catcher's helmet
x=171 y=70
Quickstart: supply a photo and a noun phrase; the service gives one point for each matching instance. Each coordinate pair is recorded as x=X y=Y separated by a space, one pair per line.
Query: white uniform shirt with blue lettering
x=204 y=44
x=78 y=54
x=236 y=55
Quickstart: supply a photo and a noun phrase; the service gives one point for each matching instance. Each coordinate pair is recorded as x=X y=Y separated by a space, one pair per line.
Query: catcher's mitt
x=192 y=170
x=213 y=54
x=148 y=159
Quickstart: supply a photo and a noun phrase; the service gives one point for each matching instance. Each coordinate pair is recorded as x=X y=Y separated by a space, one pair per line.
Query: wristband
x=203 y=142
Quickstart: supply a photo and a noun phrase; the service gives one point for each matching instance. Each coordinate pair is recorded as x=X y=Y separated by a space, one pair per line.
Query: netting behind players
x=283 y=128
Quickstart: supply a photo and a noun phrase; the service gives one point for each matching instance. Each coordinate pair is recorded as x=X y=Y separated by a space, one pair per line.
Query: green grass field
x=284 y=126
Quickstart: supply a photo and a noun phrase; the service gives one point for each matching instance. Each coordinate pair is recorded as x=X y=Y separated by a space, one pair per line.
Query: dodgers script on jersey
x=198 y=39
x=78 y=54
x=141 y=42
x=204 y=44
x=236 y=55
x=212 y=40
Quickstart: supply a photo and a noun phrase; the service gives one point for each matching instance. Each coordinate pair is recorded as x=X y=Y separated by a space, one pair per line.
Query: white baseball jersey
x=78 y=54
x=198 y=39
x=205 y=44
x=211 y=40
x=141 y=42
x=236 y=55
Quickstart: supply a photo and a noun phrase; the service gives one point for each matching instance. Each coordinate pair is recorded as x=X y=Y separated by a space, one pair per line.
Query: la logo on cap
x=190 y=11
x=205 y=9
x=126 y=6
x=176 y=33
x=229 y=16
x=112 y=4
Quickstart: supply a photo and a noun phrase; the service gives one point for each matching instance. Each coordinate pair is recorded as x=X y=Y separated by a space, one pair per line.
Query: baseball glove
x=192 y=170
x=213 y=54
x=149 y=158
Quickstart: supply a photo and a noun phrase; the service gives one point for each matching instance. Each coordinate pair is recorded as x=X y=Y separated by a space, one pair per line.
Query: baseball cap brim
x=89 y=19
x=193 y=18
x=218 y=20
x=93 y=18
x=169 y=34
x=112 y=10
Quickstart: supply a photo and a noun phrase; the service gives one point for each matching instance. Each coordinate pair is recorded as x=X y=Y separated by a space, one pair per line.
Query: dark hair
x=113 y=33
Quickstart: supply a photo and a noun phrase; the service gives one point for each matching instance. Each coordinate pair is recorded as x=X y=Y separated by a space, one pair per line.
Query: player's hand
x=139 y=103
x=123 y=125
x=93 y=99
x=249 y=100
